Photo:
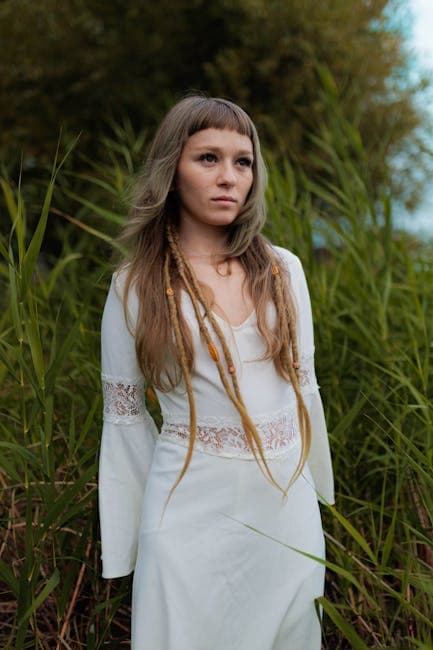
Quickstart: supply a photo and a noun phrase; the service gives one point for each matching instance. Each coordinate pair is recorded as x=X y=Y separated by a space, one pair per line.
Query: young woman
x=217 y=515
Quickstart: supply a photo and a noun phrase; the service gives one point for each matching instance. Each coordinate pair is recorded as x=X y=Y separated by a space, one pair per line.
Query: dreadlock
x=175 y=259
x=158 y=268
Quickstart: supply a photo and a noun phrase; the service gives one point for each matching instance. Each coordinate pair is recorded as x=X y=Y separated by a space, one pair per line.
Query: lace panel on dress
x=123 y=399
x=306 y=374
x=279 y=432
x=224 y=436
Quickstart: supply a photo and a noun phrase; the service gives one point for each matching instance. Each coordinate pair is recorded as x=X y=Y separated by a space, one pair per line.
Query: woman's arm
x=319 y=459
x=128 y=437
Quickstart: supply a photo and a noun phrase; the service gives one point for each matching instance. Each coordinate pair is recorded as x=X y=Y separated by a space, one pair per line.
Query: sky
x=422 y=39
x=421 y=221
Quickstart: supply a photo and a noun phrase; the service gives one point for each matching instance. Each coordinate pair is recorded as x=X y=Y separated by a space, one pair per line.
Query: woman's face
x=214 y=176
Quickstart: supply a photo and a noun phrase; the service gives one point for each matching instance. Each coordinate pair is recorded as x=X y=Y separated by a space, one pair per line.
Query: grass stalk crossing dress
x=225 y=568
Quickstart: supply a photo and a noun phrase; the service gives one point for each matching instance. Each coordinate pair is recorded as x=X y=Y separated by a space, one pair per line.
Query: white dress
x=226 y=567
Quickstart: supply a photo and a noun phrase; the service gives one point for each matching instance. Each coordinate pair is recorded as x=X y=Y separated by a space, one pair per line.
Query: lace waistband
x=279 y=433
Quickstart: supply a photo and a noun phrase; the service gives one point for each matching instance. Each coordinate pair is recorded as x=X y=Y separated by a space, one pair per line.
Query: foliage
x=372 y=291
x=75 y=65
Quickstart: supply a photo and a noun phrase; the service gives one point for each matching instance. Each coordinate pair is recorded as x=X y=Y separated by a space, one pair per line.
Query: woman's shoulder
x=119 y=277
x=119 y=282
x=288 y=258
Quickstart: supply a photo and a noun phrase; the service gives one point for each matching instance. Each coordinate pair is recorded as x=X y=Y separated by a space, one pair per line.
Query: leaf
x=42 y=596
x=348 y=630
x=20 y=450
x=113 y=217
x=8 y=577
x=32 y=253
x=353 y=533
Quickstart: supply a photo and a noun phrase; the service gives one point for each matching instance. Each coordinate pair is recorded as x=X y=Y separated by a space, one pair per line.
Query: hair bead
x=152 y=396
x=213 y=352
x=145 y=227
x=197 y=296
x=288 y=355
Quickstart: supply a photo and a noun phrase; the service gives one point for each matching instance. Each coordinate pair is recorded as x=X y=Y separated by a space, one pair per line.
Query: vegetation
x=77 y=64
x=372 y=293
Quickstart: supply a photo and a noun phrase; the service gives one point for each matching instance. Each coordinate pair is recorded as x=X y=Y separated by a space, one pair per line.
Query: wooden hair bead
x=152 y=396
x=275 y=270
x=169 y=291
x=296 y=365
x=231 y=370
x=213 y=352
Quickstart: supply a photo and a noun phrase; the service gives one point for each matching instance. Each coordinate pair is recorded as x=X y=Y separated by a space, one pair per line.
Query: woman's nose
x=226 y=175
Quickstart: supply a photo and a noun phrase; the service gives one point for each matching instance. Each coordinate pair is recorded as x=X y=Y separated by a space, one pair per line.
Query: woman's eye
x=245 y=162
x=208 y=157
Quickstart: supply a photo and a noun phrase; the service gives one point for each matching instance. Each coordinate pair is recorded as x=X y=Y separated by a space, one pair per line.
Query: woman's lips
x=224 y=200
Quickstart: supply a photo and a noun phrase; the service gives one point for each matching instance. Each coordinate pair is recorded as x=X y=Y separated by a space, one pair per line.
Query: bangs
x=210 y=113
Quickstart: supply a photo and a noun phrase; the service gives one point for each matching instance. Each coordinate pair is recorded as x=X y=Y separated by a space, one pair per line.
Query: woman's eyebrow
x=239 y=152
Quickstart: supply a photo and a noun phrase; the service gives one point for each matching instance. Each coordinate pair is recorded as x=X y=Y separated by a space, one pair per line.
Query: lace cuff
x=307 y=375
x=123 y=399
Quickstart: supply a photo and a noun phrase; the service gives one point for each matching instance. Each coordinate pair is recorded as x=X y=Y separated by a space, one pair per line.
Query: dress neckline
x=235 y=327
x=223 y=320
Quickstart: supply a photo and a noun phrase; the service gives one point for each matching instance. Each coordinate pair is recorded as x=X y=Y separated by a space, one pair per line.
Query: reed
x=372 y=295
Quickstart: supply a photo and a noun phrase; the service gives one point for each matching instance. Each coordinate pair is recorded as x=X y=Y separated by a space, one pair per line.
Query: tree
x=75 y=63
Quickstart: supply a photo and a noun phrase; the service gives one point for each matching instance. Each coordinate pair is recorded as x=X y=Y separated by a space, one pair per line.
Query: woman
x=217 y=514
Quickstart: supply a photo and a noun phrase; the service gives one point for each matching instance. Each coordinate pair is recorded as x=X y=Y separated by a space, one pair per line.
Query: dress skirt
x=224 y=569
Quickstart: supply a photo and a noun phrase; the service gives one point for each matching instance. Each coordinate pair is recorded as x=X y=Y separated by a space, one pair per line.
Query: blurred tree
x=273 y=68
x=75 y=64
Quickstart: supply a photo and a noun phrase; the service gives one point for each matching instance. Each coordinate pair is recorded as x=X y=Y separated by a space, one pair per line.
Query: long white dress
x=228 y=566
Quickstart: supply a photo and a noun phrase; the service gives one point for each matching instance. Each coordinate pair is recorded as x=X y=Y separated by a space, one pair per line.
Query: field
x=372 y=296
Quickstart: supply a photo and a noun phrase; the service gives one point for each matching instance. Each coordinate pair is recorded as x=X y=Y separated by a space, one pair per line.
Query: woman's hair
x=155 y=202
x=158 y=269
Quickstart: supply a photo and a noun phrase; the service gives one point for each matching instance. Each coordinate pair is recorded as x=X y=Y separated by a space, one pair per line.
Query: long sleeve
x=319 y=459
x=128 y=437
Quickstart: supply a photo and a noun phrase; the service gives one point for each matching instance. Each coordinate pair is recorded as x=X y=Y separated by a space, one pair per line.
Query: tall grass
x=372 y=299
x=372 y=295
x=49 y=367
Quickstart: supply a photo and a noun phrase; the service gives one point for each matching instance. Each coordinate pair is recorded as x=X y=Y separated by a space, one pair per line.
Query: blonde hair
x=157 y=267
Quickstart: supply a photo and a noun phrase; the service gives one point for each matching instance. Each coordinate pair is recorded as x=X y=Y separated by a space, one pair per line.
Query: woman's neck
x=200 y=240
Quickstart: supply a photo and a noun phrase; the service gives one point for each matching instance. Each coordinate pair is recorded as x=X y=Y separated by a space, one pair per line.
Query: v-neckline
x=223 y=320
x=235 y=327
